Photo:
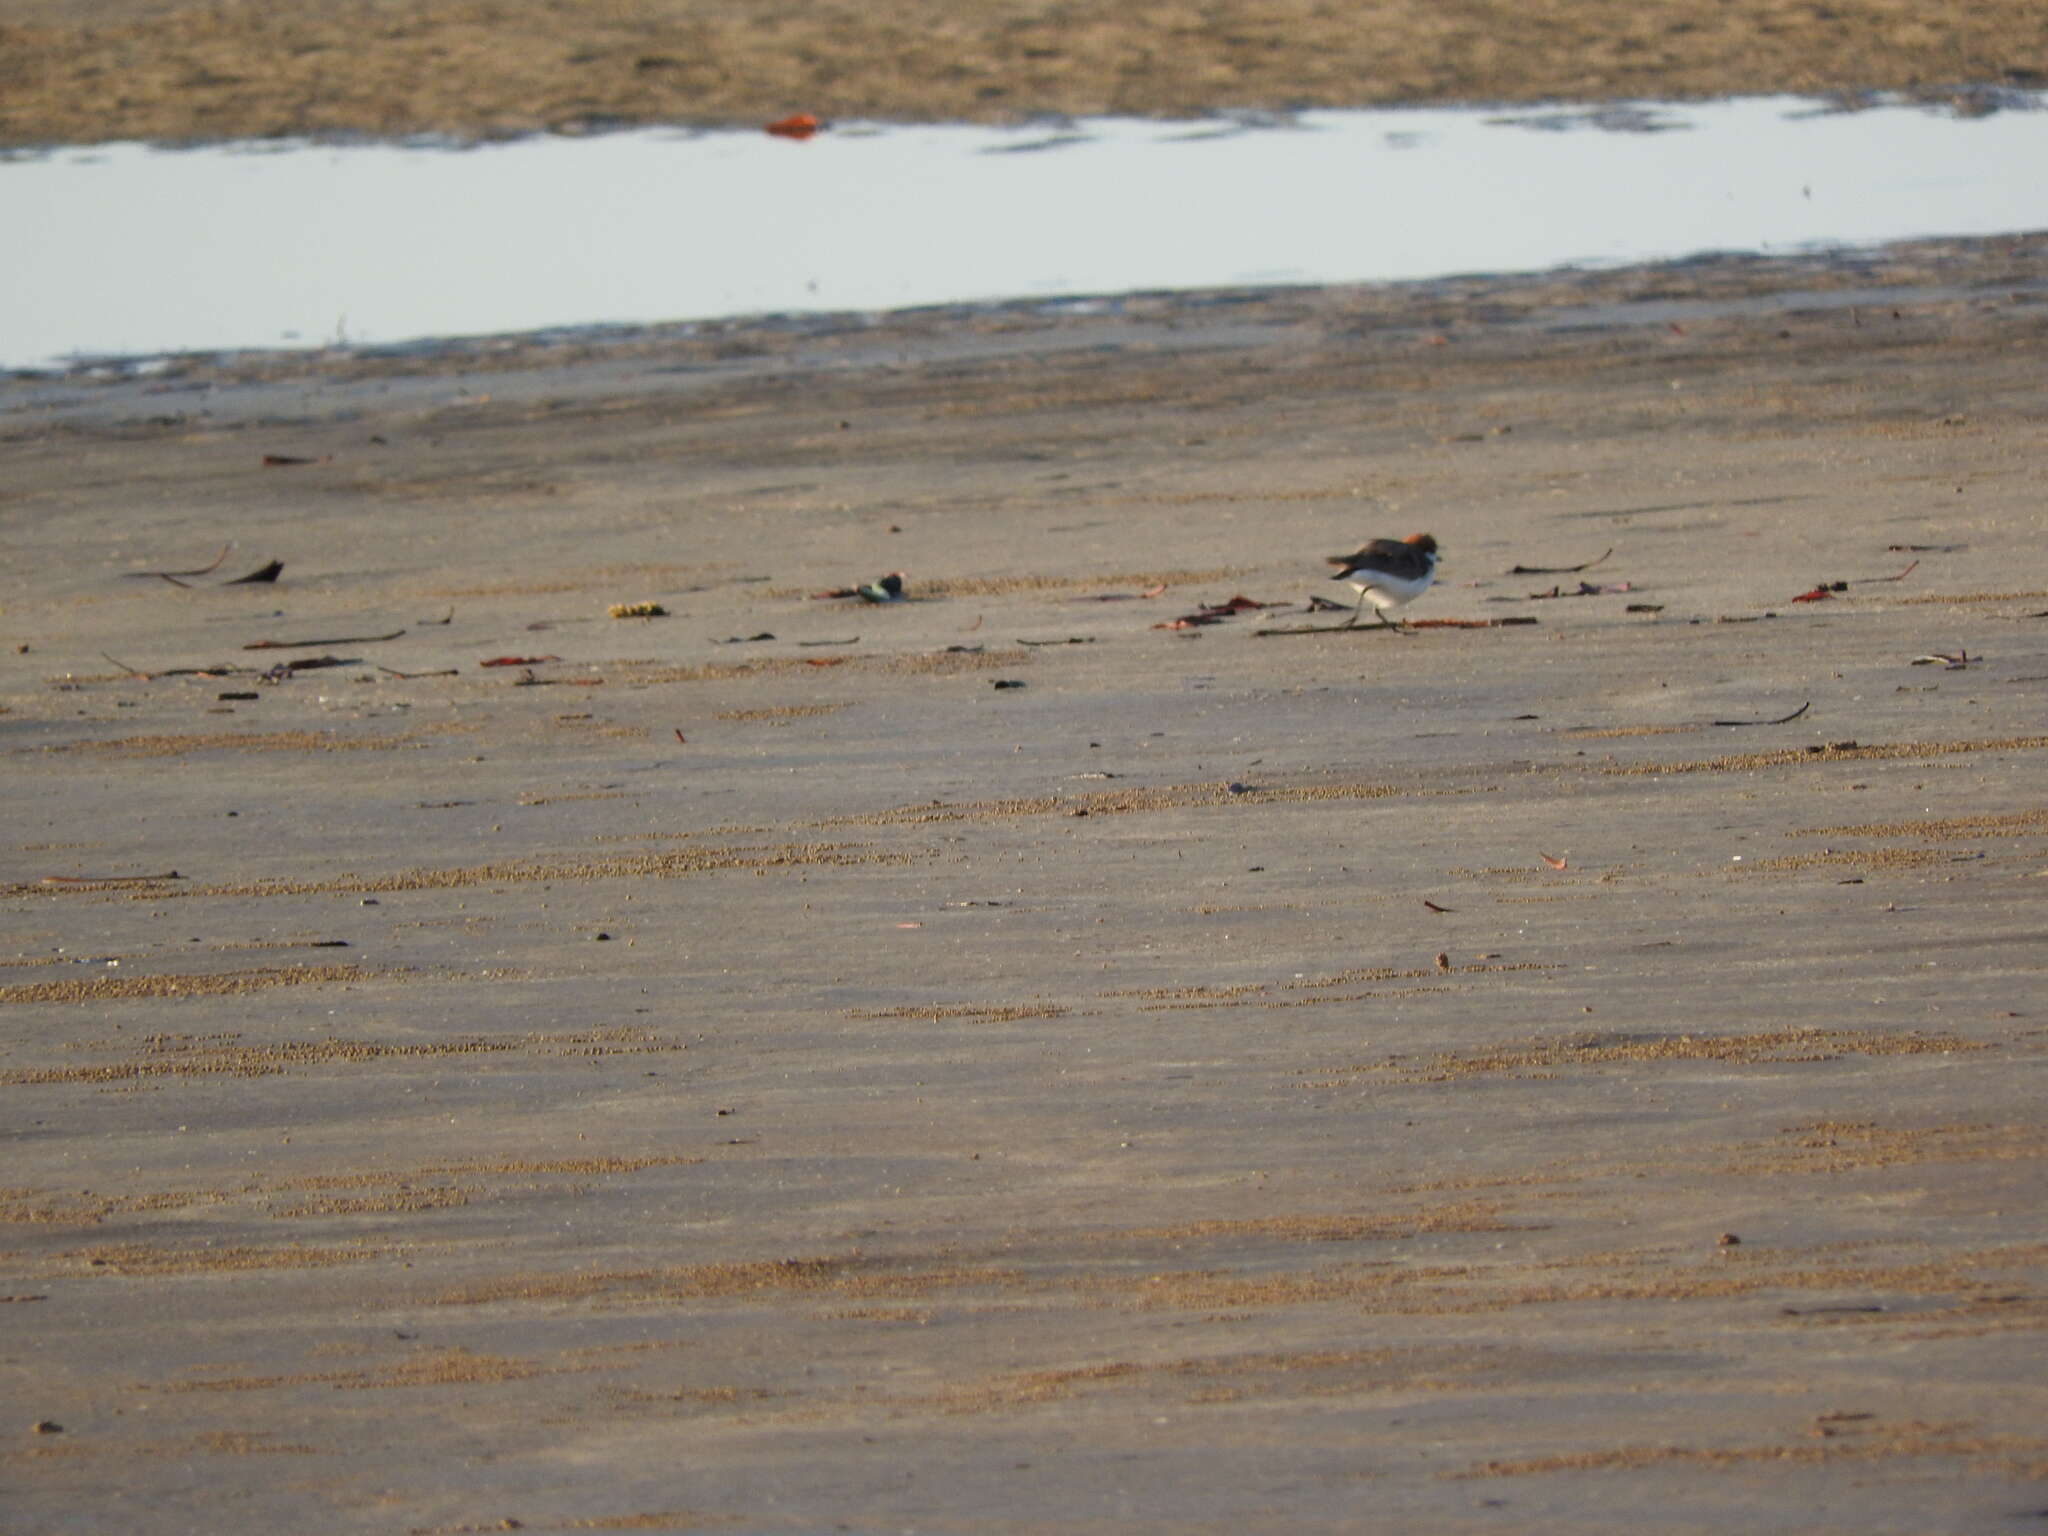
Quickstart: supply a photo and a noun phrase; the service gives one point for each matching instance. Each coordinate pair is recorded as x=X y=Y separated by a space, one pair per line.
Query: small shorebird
x=1388 y=572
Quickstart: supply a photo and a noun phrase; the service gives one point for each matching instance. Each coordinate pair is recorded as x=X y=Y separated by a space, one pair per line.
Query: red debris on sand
x=1214 y=613
x=517 y=661
x=1821 y=592
x=798 y=126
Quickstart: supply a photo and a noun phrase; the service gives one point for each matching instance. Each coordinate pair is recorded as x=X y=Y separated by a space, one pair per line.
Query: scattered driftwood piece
x=516 y=661
x=1513 y=621
x=1120 y=597
x=447 y=618
x=1215 y=613
x=219 y=669
x=1864 y=580
x=1434 y=907
x=285 y=669
x=1585 y=589
x=299 y=645
x=1962 y=658
x=444 y=672
x=1553 y=863
x=854 y=641
x=268 y=572
x=171 y=576
x=1332 y=629
x=1557 y=570
x=1070 y=640
x=1924 y=549
x=750 y=639
x=1781 y=720
x=169 y=874
x=292 y=460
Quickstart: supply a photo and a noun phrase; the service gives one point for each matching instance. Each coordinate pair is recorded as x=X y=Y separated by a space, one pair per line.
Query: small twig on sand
x=444 y=672
x=1368 y=629
x=299 y=645
x=262 y=573
x=1556 y=570
x=1781 y=720
x=1333 y=629
x=1862 y=580
x=169 y=874
x=220 y=670
x=204 y=570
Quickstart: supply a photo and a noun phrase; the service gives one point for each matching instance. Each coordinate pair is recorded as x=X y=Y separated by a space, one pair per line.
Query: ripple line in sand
x=652 y=866
x=1778 y=1045
x=106 y=989
x=1846 y=752
x=1114 y=802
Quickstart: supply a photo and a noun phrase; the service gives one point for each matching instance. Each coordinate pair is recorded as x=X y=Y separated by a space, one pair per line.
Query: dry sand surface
x=174 y=69
x=1000 y=1061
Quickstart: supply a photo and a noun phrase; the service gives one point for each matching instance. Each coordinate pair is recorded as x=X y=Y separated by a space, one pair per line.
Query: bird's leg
x=1360 y=613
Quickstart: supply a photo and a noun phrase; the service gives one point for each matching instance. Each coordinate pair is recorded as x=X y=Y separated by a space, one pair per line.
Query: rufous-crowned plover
x=1388 y=572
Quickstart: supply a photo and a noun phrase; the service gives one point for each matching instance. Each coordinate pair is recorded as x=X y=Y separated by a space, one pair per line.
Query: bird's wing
x=1389 y=553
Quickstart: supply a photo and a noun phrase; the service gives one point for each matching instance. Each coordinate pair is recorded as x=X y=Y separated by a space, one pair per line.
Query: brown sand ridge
x=82 y=70
x=1233 y=1082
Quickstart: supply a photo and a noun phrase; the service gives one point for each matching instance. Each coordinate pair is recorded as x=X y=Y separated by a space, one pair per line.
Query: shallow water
x=138 y=252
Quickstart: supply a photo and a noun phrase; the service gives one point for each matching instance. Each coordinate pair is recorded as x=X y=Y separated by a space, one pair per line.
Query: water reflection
x=137 y=251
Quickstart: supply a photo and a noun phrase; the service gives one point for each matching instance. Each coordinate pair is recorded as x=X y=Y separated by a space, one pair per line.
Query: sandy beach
x=94 y=70
x=1095 y=1045
x=1024 y=1057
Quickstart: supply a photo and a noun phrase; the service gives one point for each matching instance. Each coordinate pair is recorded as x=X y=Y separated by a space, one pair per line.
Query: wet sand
x=999 y=1060
x=94 y=70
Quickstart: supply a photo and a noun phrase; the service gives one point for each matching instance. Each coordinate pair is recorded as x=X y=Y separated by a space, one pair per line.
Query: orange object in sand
x=800 y=126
